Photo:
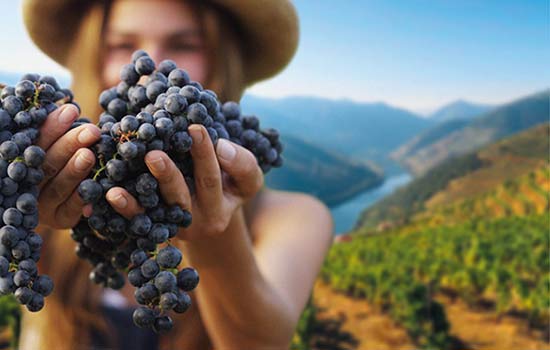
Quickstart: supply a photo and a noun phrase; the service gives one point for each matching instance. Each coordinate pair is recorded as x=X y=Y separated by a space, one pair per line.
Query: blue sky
x=417 y=54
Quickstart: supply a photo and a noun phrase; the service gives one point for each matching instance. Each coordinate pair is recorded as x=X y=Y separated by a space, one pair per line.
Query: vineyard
x=501 y=262
x=525 y=195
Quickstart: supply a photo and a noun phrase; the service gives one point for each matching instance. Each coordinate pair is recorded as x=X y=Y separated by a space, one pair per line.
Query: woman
x=257 y=251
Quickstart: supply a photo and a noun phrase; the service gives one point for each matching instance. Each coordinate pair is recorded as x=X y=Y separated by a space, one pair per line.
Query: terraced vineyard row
x=525 y=195
x=504 y=261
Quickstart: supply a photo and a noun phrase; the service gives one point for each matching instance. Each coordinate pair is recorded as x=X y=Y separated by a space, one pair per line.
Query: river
x=345 y=215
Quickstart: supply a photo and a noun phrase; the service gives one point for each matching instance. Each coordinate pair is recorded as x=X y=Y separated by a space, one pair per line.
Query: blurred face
x=164 y=29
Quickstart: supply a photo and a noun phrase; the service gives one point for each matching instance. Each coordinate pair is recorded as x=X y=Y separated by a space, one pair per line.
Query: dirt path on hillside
x=482 y=330
x=369 y=329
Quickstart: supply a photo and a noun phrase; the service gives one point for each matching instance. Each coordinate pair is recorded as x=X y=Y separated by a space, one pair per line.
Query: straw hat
x=270 y=29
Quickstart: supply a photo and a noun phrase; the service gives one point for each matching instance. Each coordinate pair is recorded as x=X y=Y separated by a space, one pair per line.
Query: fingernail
x=157 y=164
x=82 y=161
x=86 y=136
x=67 y=115
x=119 y=201
x=226 y=150
x=196 y=134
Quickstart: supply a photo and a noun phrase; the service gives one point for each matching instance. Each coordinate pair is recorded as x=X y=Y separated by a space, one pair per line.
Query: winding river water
x=346 y=214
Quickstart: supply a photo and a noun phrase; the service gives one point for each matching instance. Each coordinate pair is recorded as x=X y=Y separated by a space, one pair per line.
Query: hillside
x=360 y=130
x=325 y=174
x=458 y=137
x=428 y=137
x=463 y=177
x=461 y=248
x=459 y=109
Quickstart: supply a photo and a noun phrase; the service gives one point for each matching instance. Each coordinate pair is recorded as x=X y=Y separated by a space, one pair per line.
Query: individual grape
x=17 y=171
x=184 y=302
x=12 y=105
x=144 y=317
x=106 y=97
x=145 y=65
x=21 y=278
x=175 y=104
x=165 y=281
x=140 y=226
x=25 y=89
x=188 y=279
x=166 y=66
x=197 y=113
x=168 y=301
x=146 y=293
x=136 y=278
x=154 y=89
x=34 y=156
x=178 y=77
x=150 y=268
x=36 y=303
x=163 y=324
x=127 y=150
x=117 y=107
x=90 y=191
x=128 y=74
x=23 y=119
x=12 y=217
x=116 y=169
x=146 y=132
x=159 y=233
x=23 y=295
x=7 y=285
x=164 y=126
x=169 y=257
x=9 y=150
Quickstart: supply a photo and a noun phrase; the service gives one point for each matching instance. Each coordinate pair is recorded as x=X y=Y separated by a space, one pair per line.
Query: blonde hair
x=71 y=312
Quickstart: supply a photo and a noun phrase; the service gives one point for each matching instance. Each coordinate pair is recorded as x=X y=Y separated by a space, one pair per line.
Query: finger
x=172 y=185
x=62 y=186
x=57 y=123
x=69 y=212
x=123 y=202
x=206 y=169
x=241 y=166
x=64 y=148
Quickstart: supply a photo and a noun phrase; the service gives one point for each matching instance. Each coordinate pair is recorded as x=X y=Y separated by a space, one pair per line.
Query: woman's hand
x=218 y=194
x=67 y=163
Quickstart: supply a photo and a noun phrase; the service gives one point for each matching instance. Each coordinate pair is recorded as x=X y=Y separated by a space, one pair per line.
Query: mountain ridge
x=459 y=109
x=459 y=136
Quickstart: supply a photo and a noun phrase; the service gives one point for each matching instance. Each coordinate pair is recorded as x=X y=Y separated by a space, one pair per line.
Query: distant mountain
x=466 y=177
x=360 y=130
x=325 y=174
x=459 y=109
x=456 y=137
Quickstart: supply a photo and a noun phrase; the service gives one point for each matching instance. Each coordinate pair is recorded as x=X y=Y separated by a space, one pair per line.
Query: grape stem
x=103 y=166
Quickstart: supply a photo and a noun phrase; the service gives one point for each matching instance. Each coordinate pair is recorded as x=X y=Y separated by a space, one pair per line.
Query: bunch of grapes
x=151 y=109
x=24 y=108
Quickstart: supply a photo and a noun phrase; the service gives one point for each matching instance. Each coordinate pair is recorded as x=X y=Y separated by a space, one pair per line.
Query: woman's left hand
x=225 y=178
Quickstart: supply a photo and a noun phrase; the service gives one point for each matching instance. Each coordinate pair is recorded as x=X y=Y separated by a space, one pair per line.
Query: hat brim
x=270 y=30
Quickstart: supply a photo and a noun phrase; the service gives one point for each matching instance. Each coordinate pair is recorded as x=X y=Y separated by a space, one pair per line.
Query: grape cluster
x=24 y=108
x=138 y=118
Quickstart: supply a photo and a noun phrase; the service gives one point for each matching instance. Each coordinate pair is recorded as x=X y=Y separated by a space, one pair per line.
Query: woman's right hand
x=68 y=161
